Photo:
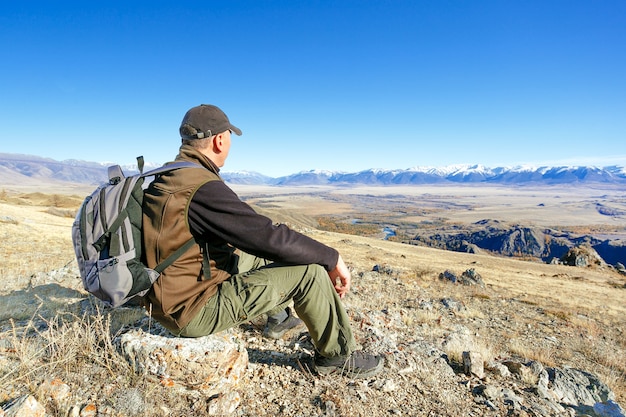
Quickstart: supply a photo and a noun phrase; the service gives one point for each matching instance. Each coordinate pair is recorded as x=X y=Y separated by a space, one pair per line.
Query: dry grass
x=32 y=241
x=517 y=347
x=70 y=350
x=67 y=343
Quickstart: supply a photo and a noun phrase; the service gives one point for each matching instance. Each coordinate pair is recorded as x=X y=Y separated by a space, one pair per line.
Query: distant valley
x=541 y=213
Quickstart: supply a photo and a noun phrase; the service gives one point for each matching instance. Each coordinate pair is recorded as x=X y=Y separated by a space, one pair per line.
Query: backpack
x=107 y=237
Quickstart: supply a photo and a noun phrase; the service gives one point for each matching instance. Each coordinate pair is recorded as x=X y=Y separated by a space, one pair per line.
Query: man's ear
x=218 y=141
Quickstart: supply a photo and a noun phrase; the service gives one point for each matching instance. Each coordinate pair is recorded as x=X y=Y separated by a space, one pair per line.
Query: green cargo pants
x=261 y=287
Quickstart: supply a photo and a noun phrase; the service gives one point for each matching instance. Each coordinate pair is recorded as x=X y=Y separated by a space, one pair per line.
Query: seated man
x=243 y=265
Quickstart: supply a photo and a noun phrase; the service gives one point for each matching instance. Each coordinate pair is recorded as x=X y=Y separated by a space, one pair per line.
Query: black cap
x=204 y=121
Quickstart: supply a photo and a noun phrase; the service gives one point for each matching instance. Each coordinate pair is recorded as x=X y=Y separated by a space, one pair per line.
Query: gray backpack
x=107 y=236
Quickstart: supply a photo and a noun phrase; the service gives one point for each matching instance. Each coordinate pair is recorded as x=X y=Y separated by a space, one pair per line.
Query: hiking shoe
x=358 y=365
x=275 y=330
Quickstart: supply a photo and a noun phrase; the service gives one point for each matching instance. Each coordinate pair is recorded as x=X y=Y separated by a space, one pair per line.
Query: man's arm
x=218 y=215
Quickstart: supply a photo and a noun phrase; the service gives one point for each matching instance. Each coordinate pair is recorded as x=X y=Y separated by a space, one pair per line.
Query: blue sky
x=333 y=85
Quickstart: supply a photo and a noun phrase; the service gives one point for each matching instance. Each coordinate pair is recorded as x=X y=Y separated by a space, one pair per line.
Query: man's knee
x=318 y=270
x=316 y=277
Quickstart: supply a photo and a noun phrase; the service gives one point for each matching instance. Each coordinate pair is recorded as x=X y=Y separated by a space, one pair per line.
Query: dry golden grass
x=548 y=285
x=33 y=240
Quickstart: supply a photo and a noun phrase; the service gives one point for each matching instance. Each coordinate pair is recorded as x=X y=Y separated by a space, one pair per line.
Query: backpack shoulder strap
x=171 y=167
x=180 y=251
x=175 y=255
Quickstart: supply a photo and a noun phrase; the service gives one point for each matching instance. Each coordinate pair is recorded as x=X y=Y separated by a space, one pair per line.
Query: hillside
x=525 y=319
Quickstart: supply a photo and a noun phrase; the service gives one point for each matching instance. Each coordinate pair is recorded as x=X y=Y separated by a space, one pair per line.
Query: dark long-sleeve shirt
x=218 y=215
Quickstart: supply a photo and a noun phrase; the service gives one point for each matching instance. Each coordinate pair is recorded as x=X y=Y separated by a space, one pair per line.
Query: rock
x=473 y=364
x=459 y=340
x=449 y=276
x=24 y=406
x=90 y=410
x=575 y=387
x=499 y=369
x=471 y=277
x=582 y=256
x=511 y=399
x=492 y=393
x=514 y=367
x=55 y=389
x=383 y=269
x=543 y=381
x=213 y=365
x=452 y=304
x=431 y=361
x=470 y=247
x=131 y=400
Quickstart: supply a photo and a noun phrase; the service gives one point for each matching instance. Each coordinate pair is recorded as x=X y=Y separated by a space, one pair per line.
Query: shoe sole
x=351 y=373
x=279 y=335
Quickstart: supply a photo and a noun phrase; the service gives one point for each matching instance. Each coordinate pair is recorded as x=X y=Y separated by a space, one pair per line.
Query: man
x=243 y=265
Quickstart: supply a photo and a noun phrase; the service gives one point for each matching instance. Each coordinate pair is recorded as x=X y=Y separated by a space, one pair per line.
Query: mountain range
x=24 y=169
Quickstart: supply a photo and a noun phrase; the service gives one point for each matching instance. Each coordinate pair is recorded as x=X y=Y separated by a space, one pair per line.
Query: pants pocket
x=255 y=294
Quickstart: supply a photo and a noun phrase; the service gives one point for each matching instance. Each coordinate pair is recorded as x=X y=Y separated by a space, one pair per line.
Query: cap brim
x=236 y=130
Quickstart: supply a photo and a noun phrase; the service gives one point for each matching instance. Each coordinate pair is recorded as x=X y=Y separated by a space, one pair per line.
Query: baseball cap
x=204 y=121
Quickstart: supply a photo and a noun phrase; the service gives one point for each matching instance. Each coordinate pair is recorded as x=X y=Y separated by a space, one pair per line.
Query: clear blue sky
x=338 y=85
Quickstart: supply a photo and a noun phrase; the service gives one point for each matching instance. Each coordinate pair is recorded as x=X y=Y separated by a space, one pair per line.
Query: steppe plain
x=555 y=314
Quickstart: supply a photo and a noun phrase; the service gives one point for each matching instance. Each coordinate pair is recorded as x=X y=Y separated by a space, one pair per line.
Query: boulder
x=448 y=275
x=212 y=365
x=473 y=364
x=471 y=277
x=575 y=387
x=583 y=256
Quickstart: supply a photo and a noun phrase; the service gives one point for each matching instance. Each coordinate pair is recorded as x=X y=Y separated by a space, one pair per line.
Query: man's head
x=204 y=121
x=207 y=129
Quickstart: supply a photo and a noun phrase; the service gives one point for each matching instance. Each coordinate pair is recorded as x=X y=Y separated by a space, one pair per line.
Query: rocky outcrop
x=582 y=256
x=520 y=241
x=211 y=365
x=557 y=391
x=468 y=277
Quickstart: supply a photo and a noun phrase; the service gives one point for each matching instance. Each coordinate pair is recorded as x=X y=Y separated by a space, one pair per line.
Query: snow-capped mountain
x=15 y=168
x=463 y=174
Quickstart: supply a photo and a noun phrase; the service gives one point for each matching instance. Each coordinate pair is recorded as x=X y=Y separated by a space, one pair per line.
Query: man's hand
x=342 y=272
